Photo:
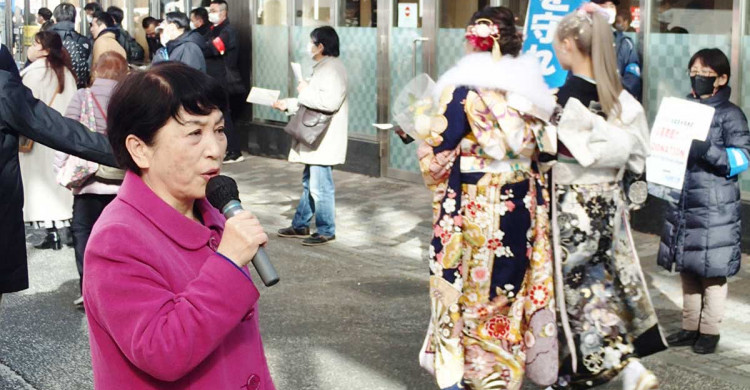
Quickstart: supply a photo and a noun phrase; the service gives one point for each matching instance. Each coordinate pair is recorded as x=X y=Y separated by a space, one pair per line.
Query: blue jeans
x=318 y=199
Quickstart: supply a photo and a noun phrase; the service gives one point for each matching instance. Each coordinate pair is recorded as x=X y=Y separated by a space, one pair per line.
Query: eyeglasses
x=702 y=73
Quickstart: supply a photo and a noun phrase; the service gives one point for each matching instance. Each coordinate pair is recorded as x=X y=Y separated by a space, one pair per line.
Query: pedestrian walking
x=608 y=320
x=702 y=233
x=491 y=275
x=325 y=92
x=78 y=46
x=175 y=307
x=50 y=78
x=180 y=43
x=104 y=31
x=90 y=197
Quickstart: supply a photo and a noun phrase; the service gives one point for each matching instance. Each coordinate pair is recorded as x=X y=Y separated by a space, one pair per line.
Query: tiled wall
x=270 y=66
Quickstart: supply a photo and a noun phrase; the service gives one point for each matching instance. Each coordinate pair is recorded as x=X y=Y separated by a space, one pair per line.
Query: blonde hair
x=593 y=37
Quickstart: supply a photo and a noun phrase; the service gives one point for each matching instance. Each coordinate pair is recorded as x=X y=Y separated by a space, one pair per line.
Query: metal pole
x=646 y=27
x=739 y=8
x=384 y=22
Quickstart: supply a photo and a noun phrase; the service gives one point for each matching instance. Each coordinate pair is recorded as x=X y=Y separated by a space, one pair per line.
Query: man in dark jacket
x=199 y=22
x=152 y=38
x=22 y=114
x=221 y=54
x=135 y=52
x=77 y=45
x=182 y=45
x=628 y=61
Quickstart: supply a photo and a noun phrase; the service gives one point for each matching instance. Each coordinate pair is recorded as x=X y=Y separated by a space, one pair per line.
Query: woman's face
x=183 y=156
x=36 y=51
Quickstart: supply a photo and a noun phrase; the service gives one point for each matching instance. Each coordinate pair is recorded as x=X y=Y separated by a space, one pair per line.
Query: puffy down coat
x=701 y=233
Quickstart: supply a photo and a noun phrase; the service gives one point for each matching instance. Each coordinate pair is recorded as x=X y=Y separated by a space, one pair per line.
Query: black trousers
x=236 y=105
x=86 y=210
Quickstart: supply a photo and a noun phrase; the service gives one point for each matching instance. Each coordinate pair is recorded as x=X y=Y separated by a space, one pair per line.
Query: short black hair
x=201 y=13
x=104 y=18
x=178 y=18
x=93 y=7
x=221 y=2
x=149 y=20
x=326 y=36
x=65 y=12
x=45 y=13
x=116 y=13
x=171 y=87
x=714 y=59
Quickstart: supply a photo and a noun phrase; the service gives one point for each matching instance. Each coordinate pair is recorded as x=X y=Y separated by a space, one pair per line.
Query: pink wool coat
x=165 y=311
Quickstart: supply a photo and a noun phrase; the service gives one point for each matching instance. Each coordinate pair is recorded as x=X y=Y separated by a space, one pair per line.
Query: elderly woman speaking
x=168 y=296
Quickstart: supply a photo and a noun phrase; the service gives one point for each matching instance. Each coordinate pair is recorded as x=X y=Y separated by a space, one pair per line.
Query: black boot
x=52 y=241
x=706 y=344
x=682 y=338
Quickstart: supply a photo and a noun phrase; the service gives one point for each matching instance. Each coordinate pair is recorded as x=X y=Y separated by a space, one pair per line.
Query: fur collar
x=520 y=76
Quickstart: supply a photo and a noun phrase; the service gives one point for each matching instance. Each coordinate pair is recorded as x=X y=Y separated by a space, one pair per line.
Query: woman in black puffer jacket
x=701 y=234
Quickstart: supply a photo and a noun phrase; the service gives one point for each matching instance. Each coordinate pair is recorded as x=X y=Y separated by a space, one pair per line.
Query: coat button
x=253 y=383
x=212 y=243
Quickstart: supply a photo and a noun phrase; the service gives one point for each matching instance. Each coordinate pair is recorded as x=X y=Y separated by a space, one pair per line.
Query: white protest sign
x=677 y=124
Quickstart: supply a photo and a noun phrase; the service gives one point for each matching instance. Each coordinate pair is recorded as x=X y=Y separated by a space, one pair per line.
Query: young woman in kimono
x=608 y=320
x=491 y=283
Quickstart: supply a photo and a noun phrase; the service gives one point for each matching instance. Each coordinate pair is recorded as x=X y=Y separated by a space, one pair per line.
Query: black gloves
x=698 y=149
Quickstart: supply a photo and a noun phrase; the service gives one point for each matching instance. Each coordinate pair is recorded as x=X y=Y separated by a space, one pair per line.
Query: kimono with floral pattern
x=606 y=312
x=490 y=254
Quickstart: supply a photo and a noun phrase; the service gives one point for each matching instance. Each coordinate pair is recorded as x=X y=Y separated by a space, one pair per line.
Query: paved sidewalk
x=350 y=315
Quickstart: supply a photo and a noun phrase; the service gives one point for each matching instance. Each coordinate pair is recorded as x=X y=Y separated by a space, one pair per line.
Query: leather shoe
x=706 y=344
x=295 y=233
x=683 y=338
x=317 y=239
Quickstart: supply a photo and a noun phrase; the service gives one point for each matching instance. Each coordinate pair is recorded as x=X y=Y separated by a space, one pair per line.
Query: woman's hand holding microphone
x=243 y=235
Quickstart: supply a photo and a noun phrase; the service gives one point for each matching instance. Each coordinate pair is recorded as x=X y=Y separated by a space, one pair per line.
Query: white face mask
x=192 y=26
x=312 y=49
x=89 y=19
x=213 y=17
x=611 y=15
x=164 y=38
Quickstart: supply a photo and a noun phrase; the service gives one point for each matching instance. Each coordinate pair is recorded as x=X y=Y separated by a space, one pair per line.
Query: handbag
x=77 y=171
x=307 y=126
x=107 y=174
x=24 y=143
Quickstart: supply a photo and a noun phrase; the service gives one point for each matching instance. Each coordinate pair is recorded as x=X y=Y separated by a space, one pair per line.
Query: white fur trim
x=520 y=75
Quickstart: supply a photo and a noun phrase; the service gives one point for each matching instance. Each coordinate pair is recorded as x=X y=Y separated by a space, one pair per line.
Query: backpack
x=133 y=50
x=79 y=49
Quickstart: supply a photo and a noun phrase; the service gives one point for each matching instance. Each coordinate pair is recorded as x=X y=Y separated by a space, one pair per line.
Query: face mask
x=164 y=38
x=312 y=49
x=192 y=26
x=213 y=18
x=611 y=15
x=703 y=85
x=619 y=27
x=89 y=19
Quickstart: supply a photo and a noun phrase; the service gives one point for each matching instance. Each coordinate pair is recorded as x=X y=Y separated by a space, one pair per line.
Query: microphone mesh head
x=220 y=190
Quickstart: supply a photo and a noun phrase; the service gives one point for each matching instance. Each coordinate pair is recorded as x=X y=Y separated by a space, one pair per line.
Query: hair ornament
x=484 y=35
x=588 y=10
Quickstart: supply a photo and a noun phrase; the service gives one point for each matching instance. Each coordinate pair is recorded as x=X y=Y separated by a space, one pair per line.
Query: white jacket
x=325 y=92
x=602 y=148
x=44 y=199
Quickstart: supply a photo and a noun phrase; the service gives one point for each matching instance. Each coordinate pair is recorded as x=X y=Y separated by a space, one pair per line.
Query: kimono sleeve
x=456 y=122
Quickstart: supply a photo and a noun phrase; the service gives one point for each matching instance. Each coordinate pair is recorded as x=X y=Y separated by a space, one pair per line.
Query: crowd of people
x=533 y=269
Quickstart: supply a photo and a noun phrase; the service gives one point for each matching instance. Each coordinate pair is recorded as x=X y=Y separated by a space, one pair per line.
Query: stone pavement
x=349 y=315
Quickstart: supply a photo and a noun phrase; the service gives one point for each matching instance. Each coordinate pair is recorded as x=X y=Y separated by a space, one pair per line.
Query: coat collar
x=40 y=64
x=187 y=233
x=721 y=97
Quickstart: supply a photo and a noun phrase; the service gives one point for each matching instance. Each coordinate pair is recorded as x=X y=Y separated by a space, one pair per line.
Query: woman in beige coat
x=51 y=80
x=325 y=92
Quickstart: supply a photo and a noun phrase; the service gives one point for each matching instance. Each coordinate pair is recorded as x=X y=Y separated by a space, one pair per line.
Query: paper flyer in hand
x=263 y=97
x=677 y=124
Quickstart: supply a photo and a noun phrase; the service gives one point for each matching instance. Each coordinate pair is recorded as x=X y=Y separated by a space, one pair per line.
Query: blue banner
x=542 y=19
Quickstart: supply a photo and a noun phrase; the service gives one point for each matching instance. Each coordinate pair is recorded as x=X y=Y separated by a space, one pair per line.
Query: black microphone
x=223 y=194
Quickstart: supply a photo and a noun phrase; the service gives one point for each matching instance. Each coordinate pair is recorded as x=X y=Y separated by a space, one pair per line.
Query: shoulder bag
x=24 y=143
x=307 y=126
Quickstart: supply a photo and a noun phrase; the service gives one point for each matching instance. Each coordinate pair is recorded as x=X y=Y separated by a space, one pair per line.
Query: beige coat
x=44 y=199
x=107 y=41
x=326 y=92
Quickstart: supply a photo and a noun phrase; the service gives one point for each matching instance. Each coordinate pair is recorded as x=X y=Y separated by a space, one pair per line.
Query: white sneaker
x=78 y=301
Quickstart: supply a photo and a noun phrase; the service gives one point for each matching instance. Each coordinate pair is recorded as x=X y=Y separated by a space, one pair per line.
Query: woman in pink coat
x=168 y=296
